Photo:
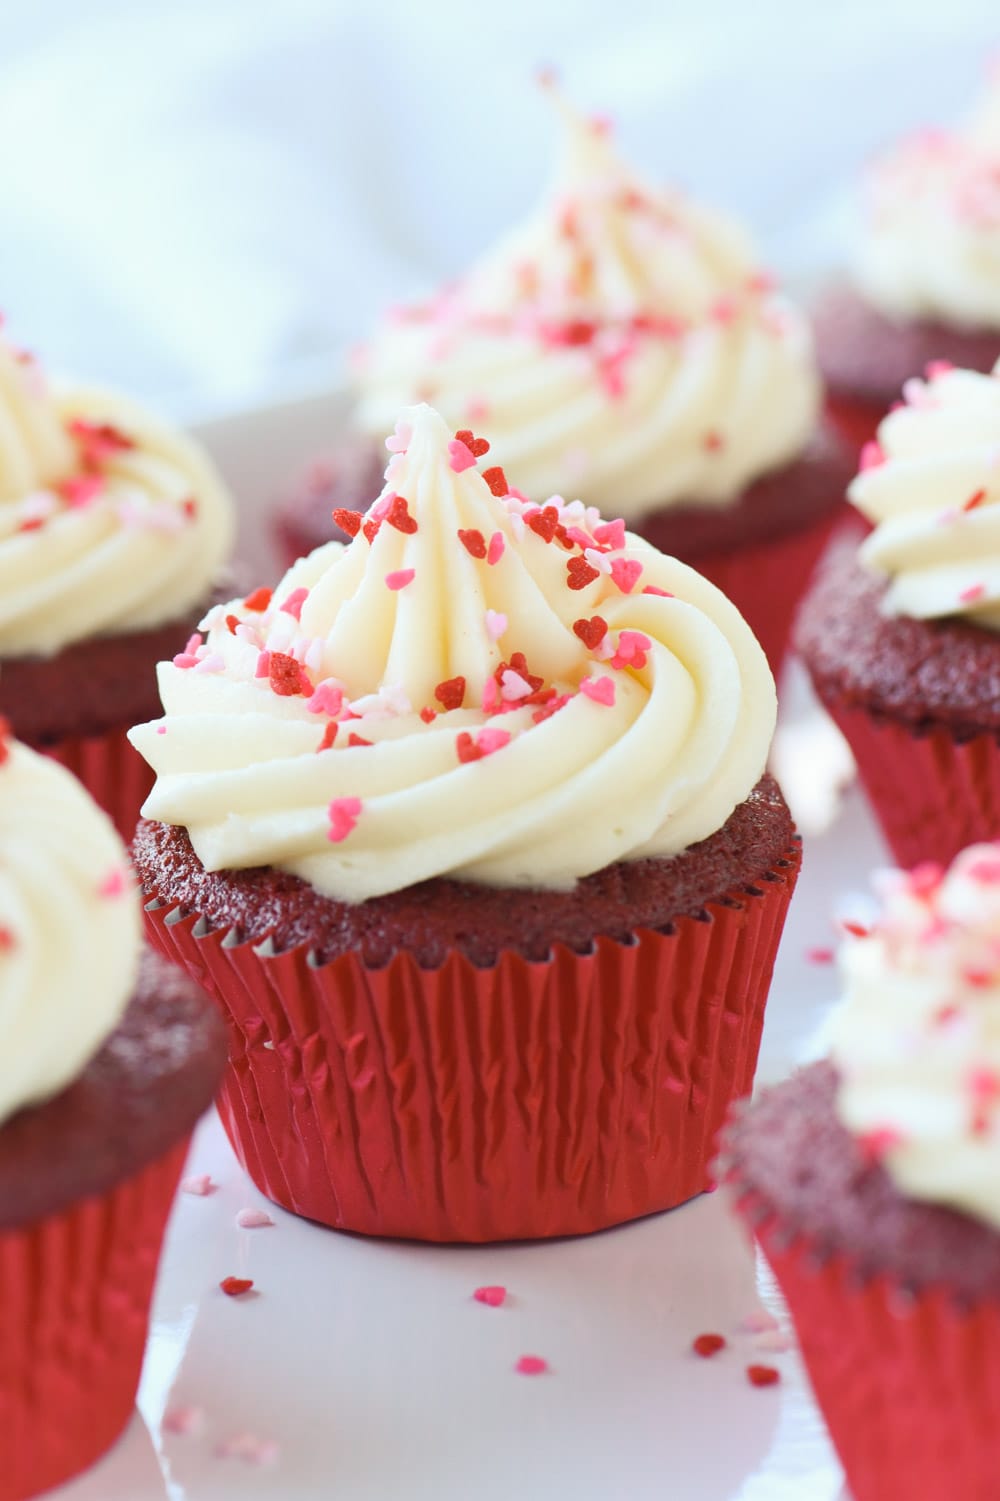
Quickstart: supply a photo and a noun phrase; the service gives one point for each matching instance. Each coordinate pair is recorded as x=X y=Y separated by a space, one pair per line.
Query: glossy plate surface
x=366 y=1370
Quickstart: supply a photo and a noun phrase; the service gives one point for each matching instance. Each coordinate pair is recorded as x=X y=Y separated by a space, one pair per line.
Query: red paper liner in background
x=523 y=1100
x=76 y=1293
x=113 y=772
x=766 y=580
x=856 y=421
x=932 y=794
x=909 y=1384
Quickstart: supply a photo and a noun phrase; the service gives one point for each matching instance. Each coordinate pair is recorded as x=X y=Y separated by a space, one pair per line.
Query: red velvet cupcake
x=624 y=347
x=112 y=530
x=901 y=638
x=926 y=282
x=464 y=828
x=108 y=1062
x=871 y=1184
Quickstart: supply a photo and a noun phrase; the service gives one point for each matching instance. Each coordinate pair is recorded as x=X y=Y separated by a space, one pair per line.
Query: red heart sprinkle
x=473 y=541
x=591 y=632
x=580 y=573
x=287 y=676
x=497 y=480
x=258 y=600
x=450 y=693
x=233 y=1287
x=707 y=1345
x=348 y=521
x=544 y=523
x=467 y=748
x=370 y=529
x=232 y=621
x=763 y=1375
x=399 y=516
x=476 y=446
x=353 y=739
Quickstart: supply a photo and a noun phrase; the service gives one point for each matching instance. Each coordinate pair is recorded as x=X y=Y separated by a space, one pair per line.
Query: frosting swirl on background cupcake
x=622 y=344
x=69 y=928
x=917 y=1038
x=110 y=521
x=930 y=486
x=931 y=241
x=476 y=687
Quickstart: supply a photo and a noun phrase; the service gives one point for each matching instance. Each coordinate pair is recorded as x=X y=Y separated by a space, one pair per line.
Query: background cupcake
x=926 y=274
x=113 y=528
x=624 y=347
x=466 y=828
x=900 y=635
x=871 y=1183
x=108 y=1062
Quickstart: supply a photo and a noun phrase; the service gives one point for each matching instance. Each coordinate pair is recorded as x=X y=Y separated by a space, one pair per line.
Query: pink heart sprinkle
x=626 y=573
x=601 y=690
x=161 y=729
x=972 y=593
x=327 y=698
x=531 y=1365
x=493 y=1297
x=400 y=439
x=253 y=1219
x=495 y=550
x=460 y=456
x=199 y=1185
x=343 y=813
x=610 y=534
x=293 y=604
x=662 y=593
x=183 y=1420
x=263 y=668
x=496 y=624
x=492 y=740
x=400 y=578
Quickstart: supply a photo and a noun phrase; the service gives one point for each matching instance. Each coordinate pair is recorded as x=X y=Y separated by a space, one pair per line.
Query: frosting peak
x=69 y=928
x=917 y=1038
x=931 y=487
x=622 y=340
x=109 y=521
x=477 y=687
x=930 y=246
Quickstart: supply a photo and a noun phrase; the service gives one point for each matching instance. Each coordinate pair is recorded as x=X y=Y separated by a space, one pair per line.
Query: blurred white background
x=207 y=201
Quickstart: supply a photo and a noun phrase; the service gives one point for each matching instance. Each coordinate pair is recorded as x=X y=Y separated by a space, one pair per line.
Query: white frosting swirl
x=931 y=488
x=69 y=928
x=931 y=241
x=659 y=729
x=110 y=521
x=621 y=343
x=917 y=1038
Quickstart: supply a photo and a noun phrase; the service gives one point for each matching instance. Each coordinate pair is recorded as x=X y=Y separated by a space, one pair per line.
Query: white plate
x=370 y=1365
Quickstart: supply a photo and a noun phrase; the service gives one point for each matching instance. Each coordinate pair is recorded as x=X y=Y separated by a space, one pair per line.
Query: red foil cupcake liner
x=932 y=794
x=909 y=1384
x=766 y=580
x=523 y=1100
x=76 y=1293
x=113 y=773
x=856 y=421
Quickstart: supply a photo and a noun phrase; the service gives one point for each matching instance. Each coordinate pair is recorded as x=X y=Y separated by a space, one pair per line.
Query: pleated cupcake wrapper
x=856 y=421
x=77 y=1287
x=932 y=794
x=113 y=773
x=909 y=1384
x=766 y=580
x=523 y=1100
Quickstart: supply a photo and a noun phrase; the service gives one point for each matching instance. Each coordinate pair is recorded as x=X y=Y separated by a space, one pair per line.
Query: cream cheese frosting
x=69 y=928
x=622 y=344
x=476 y=687
x=110 y=521
x=916 y=1039
x=930 y=486
x=930 y=246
